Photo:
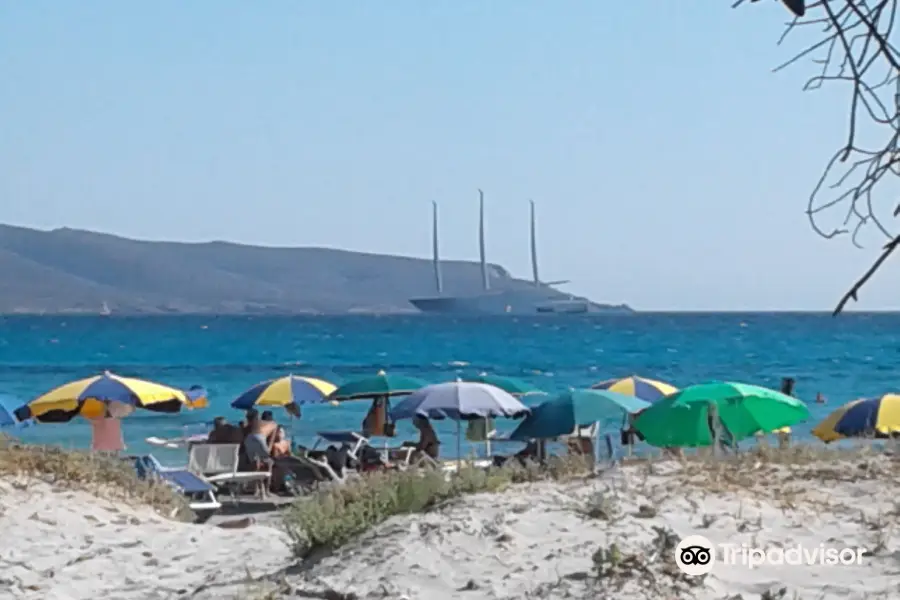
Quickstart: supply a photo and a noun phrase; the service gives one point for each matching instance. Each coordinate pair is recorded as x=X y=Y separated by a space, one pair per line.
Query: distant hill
x=73 y=271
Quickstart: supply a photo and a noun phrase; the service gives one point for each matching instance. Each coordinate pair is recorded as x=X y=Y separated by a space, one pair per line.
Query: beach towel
x=377 y=422
x=106 y=435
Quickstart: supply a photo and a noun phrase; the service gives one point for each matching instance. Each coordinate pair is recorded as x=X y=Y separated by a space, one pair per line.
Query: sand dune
x=535 y=541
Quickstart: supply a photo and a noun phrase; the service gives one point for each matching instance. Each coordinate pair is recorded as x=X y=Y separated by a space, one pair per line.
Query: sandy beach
x=538 y=540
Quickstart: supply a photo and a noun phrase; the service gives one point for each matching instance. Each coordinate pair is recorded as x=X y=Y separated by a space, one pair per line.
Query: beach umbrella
x=378 y=386
x=648 y=390
x=867 y=417
x=683 y=418
x=197 y=397
x=7 y=418
x=576 y=408
x=511 y=385
x=289 y=392
x=94 y=396
x=459 y=400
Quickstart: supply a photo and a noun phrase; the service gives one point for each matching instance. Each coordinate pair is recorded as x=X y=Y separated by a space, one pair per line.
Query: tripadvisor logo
x=695 y=555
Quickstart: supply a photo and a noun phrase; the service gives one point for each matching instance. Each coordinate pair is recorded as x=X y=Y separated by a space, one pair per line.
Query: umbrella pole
x=627 y=427
x=713 y=422
x=458 y=445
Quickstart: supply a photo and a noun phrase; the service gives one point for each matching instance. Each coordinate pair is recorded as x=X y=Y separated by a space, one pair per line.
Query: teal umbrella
x=378 y=386
x=575 y=408
x=683 y=418
x=510 y=385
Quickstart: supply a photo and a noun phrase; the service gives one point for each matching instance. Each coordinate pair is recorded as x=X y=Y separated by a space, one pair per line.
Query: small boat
x=104 y=310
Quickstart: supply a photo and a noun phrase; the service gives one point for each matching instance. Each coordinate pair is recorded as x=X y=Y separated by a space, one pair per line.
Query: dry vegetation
x=103 y=476
x=333 y=516
x=797 y=481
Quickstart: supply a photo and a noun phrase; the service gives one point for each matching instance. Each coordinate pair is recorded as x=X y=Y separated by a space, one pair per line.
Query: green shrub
x=332 y=517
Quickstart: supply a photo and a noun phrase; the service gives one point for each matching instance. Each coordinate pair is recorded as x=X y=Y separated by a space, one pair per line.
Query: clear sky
x=670 y=167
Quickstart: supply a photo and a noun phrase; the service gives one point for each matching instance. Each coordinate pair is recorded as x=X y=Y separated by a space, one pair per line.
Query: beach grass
x=335 y=515
x=104 y=476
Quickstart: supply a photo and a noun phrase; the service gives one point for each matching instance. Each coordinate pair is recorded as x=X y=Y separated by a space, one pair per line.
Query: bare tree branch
x=853 y=49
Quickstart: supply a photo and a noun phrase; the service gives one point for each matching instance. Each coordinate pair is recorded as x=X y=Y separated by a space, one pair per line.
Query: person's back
x=224 y=432
x=106 y=435
x=256 y=445
x=428 y=441
x=229 y=434
x=265 y=426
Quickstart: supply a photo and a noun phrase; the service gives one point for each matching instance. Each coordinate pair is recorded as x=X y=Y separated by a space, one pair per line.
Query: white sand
x=530 y=542
x=70 y=545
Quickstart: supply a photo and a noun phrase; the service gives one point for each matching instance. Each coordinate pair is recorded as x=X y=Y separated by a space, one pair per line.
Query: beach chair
x=355 y=442
x=218 y=464
x=318 y=466
x=199 y=492
x=583 y=441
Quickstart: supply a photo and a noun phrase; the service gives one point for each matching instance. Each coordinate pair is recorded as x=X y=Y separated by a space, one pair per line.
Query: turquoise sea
x=844 y=358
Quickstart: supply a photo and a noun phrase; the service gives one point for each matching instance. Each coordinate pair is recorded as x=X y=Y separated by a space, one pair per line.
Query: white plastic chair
x=218 y=464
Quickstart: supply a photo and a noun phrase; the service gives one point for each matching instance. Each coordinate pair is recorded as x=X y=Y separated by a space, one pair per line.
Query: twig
x=852 y=294
x=854 y=49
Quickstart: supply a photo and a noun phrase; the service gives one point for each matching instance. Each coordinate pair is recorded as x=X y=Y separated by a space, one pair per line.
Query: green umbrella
x=682 y=419
x=510 y=385
x=378 y=386
x=575 y=408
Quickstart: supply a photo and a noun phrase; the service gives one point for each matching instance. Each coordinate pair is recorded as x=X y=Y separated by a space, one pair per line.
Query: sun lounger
x=318 y=466
x=177 y=442
x=355 y=445
x=354 y=441
x=218 y=464
x=199 y=492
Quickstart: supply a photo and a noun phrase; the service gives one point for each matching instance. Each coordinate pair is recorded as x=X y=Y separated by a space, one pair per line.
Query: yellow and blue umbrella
x=291 y=391
x=868 y=417
x=648 y=390
x=97 y=396
x=197 y=397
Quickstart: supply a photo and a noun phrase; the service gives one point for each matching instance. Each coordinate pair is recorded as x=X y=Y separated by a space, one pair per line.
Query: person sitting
x=257 y=447
x=427 y=447
x=280 y=448
x=224 y=432
x=281 y=445
x=339 y=459
x=429 y=444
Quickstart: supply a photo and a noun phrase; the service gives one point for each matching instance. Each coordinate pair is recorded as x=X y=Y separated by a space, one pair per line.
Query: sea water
x=844 y=358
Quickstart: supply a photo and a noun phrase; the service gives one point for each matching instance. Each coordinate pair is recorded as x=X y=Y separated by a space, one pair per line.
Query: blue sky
x=670 y=167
